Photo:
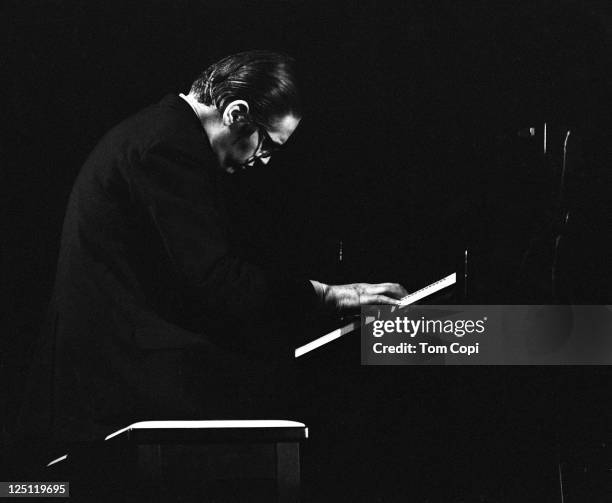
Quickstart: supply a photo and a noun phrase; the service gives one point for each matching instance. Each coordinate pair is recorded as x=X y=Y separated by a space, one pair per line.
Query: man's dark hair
x=265 y=80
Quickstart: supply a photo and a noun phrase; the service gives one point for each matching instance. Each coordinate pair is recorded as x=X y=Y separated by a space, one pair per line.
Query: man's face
x=249 y=144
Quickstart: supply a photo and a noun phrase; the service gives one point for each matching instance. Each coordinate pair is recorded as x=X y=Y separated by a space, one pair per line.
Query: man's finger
x=391 y=289
x=377 y=299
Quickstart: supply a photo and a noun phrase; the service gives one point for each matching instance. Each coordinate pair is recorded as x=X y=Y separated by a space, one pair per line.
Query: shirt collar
x=192 y=103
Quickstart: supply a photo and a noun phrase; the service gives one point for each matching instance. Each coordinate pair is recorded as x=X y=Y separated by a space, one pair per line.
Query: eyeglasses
x=266 y=146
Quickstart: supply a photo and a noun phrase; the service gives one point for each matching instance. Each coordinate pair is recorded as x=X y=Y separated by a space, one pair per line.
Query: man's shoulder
x=171 y=122
x=170 y=119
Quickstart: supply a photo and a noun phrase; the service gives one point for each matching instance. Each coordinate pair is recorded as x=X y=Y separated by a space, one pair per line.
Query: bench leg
x=288 y=472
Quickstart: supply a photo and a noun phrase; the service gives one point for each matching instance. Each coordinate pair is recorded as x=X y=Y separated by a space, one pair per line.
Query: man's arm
x=182 y=202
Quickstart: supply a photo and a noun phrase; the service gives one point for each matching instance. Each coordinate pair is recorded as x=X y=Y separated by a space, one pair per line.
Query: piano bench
x=204 y=461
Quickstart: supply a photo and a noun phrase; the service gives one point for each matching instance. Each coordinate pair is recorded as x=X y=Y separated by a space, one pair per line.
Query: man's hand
x=355 y=295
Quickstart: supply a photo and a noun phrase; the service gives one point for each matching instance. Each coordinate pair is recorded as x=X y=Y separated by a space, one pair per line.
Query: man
x=154 y=314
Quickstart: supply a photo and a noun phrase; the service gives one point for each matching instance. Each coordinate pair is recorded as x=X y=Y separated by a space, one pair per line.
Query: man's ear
x=236 y=112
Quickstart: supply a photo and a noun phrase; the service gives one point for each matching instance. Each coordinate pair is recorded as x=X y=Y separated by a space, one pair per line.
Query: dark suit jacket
x=154 y=314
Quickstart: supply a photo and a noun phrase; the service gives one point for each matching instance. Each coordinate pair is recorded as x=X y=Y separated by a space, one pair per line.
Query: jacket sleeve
x=182 y=201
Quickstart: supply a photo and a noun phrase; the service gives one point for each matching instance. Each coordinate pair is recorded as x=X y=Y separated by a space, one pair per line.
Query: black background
x=408 y=153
